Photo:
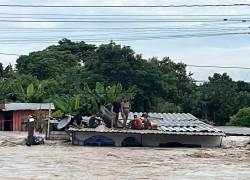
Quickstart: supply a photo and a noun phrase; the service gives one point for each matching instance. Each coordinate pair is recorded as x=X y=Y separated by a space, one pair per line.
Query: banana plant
x=67 y=104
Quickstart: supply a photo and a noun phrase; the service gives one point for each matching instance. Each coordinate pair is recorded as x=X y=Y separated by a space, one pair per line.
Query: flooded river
x=63 y=161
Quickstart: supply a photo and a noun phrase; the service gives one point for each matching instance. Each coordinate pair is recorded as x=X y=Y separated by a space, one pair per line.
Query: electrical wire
x=111 y=34
x=9 y=54
x=125 y=6
x=126 y=15
x=123 y=28
x=118 y=21
x=219 y=82
x=126 y=18
x=131 y=38
x=221 y=67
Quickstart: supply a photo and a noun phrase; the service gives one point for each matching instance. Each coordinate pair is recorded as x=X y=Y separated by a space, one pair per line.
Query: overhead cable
x=125 y=6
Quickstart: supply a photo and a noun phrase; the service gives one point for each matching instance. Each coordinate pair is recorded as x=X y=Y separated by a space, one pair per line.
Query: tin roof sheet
x=132 y=131
x=28 y=106
x=172 y=123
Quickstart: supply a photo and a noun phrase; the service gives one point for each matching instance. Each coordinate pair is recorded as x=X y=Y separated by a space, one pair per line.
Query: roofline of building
x=26 y=106
x=130 y=131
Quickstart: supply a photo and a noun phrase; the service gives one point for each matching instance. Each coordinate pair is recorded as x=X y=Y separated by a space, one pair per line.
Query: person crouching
x=136 y=123
x=146 y=122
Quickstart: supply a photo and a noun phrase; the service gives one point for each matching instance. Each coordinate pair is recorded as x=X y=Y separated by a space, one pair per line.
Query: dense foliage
x=242 y=118
x=80 y=77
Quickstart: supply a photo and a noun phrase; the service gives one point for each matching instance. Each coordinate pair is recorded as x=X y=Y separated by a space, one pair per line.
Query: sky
x=158 y=41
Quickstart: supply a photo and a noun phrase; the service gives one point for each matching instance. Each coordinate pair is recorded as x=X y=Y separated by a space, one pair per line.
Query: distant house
x=14 y=116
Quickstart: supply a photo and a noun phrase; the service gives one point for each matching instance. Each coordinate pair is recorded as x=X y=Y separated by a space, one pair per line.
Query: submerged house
x=174 y=129
x=14 y=116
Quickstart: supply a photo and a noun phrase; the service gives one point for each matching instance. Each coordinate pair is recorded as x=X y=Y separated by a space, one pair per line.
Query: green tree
x=242 y=118
x=8 y=71
x=1 y=70
x=96 y=74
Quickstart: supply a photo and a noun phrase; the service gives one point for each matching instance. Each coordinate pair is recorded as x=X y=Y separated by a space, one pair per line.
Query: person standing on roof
x=116 y=108
x=125 y=108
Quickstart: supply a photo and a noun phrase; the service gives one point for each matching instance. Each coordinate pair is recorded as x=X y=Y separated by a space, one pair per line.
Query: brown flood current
x=58 y=160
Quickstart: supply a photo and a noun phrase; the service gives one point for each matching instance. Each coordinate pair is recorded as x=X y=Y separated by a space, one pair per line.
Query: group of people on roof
x=124 y=107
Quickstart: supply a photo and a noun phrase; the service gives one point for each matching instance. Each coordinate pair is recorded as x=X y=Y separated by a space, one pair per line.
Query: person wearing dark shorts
x=116 y=108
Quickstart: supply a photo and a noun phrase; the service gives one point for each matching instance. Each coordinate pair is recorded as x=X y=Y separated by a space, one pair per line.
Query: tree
x=47 y=64
x=1 y=70
x=67 y=104
x=31 y=94
x=242 y=118
x=219 y=98
x=96 y=74
x=8 y=71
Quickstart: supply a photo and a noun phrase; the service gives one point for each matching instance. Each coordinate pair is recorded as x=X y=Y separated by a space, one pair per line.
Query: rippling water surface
x=63 y=161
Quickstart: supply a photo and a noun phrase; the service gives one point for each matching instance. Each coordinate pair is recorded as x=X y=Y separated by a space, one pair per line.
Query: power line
x=125 y=6
x=119 y=21
x=144 y=33
x=122 y=15
x=219 y=82
x=127 y=38
x=129 y=18
x=125 y=28
x=109 y=32
x=9 y=54
x=125 y=18
x=135 y=38
x=221 y=67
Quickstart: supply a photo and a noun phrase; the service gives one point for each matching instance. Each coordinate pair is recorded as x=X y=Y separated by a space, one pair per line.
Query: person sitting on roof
x=136 y=123
x=146 y=122
x=78 y=119
x=94 y=121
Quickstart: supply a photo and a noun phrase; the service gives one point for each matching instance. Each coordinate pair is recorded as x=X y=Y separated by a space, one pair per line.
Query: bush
x=242 y=118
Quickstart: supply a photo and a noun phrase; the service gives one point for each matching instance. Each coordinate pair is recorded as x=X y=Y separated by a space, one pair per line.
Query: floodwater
x=58 y=160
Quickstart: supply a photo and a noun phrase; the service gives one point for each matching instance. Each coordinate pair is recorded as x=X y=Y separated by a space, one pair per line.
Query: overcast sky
x=231 y=50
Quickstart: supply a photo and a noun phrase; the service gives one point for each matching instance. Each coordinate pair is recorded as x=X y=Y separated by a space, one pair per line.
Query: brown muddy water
x=59 y=160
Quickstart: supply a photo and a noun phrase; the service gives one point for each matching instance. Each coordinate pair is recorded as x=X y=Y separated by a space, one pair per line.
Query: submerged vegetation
x=79 y=77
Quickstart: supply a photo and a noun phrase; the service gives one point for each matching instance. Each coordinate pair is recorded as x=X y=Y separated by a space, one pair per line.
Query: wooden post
x=31 y=126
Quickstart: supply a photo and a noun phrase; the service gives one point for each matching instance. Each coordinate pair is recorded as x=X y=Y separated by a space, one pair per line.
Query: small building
x=174 y=129
x=14 y=116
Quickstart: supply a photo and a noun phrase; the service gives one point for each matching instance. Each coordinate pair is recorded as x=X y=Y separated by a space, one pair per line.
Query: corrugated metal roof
x=235 y=131
x=28 y=106
x=175 y=123
x=132 y=131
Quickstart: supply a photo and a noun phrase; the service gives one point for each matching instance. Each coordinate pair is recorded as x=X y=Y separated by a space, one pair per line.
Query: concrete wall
x=58 y=135
x=203 y=141
x=150 y=140
x=78 y=138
